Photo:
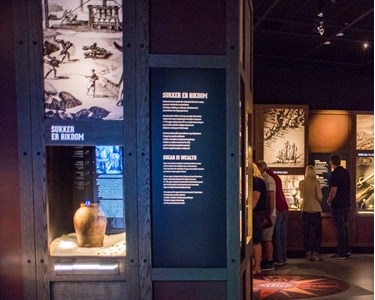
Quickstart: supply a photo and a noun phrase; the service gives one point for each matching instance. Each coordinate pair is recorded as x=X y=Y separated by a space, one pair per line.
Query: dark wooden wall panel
x=188 y=290
x=187 y=27
x=130 y=152
x=295 y=238
x=361 y=231
x=295 y=241
x=364 y=230
x=88 y=290
x=329 y=234
x=143 y=149
x=11 y=282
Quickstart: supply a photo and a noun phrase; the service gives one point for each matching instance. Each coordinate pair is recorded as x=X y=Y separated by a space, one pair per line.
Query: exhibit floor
x=352 y=279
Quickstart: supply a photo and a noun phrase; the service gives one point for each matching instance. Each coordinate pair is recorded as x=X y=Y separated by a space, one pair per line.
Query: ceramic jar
x=89 y=224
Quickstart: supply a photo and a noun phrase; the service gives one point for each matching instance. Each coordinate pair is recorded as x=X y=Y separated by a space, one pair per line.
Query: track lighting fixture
x=319 y=23
x=319 y=26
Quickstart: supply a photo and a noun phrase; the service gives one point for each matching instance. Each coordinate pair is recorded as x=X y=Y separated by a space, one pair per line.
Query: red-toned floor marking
x=285 y=286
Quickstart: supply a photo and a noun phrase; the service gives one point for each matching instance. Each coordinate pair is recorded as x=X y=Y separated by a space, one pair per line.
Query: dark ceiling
x=286 y=30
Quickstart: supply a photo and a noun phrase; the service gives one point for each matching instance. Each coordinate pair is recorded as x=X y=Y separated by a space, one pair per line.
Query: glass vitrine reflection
x=85 y=200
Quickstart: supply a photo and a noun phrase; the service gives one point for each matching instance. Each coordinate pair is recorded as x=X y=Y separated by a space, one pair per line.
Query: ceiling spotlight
x=340 y=34
x=320 y=29
x=327 y=42
x=365 y=45
x=320 y=14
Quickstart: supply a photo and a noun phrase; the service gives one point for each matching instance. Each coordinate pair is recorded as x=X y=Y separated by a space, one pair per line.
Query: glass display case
x=364 y=167
x=365 y=132
x=364 y=193
x=85 y=200
x=83 y=81
x=290 y=188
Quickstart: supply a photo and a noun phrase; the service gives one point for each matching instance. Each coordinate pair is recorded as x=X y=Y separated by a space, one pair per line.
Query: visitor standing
x=267 y=234
x=280 y=233
x=311 y=194
x=339 y=201
x=259 y=205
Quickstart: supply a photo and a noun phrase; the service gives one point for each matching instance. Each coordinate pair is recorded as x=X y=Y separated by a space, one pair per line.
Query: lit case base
x=67 y=245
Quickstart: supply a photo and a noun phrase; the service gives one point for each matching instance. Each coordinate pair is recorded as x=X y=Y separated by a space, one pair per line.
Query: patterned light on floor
x=287 y=286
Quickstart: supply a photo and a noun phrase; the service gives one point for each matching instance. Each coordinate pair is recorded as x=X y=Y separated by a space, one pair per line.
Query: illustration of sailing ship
x=288 y=154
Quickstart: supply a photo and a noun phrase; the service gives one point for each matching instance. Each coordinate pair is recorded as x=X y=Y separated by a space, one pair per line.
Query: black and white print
x=83 y=61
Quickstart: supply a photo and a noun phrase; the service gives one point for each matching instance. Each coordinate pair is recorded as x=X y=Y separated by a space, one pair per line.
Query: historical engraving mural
x=82 y=55
x=365 y=132
x=284 y=137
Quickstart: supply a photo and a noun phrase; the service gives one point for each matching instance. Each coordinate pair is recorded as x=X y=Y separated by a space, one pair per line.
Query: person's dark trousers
x=280 y=235
x=340 y=221
x=312 y=221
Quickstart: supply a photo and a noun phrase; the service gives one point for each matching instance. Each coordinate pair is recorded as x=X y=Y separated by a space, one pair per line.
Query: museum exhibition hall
x=130 y=129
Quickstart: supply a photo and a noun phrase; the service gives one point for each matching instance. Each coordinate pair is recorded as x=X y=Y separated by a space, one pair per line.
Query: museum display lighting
x=86 y=268
x=319 y=26
x=319 y=23
x=362 y=212
x=67 y=245
x=70 y=267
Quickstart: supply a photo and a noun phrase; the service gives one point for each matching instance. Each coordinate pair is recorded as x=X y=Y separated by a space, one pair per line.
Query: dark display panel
x=109 y=185
x=323 y=172
x=205 y=34
x=188 y=167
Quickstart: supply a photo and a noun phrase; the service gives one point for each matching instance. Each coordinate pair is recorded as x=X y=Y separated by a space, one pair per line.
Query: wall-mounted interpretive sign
x=82 y=55
x=188 y=167
x=98 y=178
x=323 y=172
x=284 y=137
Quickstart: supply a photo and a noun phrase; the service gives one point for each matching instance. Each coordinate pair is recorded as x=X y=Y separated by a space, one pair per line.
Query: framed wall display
x=364 y=194
x=328 y=131
x=365 y=132
x=284 y=137
x=188 y=183
x=83 y=61
x=166 y=176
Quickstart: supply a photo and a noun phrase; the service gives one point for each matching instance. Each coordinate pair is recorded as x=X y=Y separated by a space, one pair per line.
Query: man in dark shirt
x=339 y=201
